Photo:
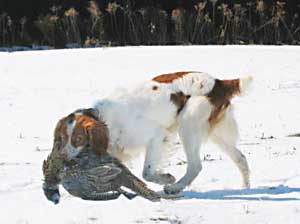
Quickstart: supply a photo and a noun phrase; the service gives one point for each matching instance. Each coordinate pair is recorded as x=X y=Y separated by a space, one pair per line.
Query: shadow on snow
x=267 y=194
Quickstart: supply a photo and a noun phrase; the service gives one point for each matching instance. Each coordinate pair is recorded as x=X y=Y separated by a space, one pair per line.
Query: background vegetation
x=83 y=23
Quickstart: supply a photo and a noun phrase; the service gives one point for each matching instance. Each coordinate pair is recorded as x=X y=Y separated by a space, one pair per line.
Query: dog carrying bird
x=194 y=105
x=91 y=176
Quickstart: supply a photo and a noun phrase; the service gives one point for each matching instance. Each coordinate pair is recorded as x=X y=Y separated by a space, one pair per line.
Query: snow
x=38 y=88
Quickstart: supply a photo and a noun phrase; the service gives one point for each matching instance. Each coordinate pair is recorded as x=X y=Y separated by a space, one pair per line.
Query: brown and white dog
x=195 y=105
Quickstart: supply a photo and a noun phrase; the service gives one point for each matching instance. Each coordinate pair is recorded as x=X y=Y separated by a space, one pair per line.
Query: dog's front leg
x=154 y=151
x=193 y=130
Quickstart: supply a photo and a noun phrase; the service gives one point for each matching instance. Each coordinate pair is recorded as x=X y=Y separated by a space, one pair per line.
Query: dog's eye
x=79 y=139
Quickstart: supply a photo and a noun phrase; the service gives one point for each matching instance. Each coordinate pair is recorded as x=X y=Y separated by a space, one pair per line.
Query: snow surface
x=38 y=88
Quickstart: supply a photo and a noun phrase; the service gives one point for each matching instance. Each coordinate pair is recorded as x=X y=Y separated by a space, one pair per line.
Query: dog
x=194 y=105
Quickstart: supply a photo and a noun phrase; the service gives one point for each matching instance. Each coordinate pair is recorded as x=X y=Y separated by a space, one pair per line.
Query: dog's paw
x=246 y=184
x=173 y=188
x=167 y=178
x=160 y=178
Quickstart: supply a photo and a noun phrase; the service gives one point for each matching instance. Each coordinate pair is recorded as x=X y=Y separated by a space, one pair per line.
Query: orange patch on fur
x=94 y=130
x=169 y=78
x=220 y=97
x=83 y=120
x=218 y=113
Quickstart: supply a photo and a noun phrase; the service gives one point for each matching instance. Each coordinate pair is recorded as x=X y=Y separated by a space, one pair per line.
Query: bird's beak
x=51 y=193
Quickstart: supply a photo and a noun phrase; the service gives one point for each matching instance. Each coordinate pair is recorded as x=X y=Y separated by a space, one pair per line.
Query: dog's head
x=78 y=131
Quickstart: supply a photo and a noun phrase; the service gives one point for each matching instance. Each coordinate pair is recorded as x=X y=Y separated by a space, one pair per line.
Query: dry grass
x=209 y=23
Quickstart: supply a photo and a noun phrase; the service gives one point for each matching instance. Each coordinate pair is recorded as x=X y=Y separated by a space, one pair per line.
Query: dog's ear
x=98 y=137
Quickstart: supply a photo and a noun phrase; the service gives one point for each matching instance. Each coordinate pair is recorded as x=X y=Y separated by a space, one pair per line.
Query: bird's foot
x=128 y=195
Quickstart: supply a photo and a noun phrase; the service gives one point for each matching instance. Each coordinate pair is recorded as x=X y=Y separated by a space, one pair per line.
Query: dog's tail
x=238 y=86
x=245 y=84
x=228 y=88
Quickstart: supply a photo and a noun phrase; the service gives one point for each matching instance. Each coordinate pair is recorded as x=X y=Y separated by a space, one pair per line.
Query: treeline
x=83 y=23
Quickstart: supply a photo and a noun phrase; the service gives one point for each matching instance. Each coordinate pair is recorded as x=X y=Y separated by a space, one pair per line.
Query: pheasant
x=92 y=177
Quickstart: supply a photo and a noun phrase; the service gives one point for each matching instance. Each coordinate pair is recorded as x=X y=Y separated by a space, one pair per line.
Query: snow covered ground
x=38 y=88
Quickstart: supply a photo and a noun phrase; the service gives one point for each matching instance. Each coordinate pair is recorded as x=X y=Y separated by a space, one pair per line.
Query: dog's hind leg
x=225 y=135
x=193 y=130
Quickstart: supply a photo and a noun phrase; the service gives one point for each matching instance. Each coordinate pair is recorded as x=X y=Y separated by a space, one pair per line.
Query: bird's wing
x=105 y=173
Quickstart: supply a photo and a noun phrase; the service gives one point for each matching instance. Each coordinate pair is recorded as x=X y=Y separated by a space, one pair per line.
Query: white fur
x=245 y=84
x=225 y=135
x=144 y=117
x=194 y=83
x=71 y=151
x=193 y=131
